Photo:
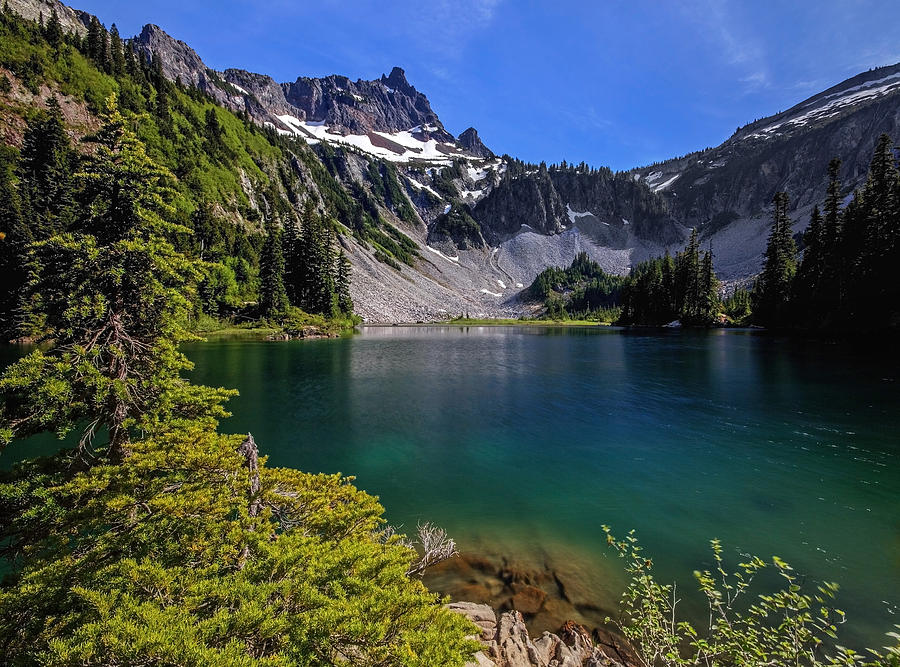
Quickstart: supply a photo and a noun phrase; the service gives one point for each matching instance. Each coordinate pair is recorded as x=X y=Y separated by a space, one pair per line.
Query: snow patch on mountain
x=842 y=100
x=574 y=215
x=413 y=149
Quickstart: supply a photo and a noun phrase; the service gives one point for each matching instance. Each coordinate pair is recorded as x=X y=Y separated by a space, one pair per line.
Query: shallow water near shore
x=523 y=441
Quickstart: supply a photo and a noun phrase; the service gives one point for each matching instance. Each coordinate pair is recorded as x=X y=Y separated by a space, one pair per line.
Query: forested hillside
x=234 y=181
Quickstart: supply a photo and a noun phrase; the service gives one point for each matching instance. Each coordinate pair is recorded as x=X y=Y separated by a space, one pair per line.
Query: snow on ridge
x=867 y=84
x=501 y=283
x=842 y=100
x=486 y=291
x=455 y=260
x=239 y=89
x=663 y=186
x=315 y=131
x=576 y=214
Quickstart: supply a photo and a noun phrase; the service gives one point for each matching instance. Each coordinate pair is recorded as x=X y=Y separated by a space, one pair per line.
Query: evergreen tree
x=342 y=284
x=833 y=264
x=809 y=282
x=45 y=167
x=53 y=31
x=710 y=295
x=273 y=300
x=14 y=240
x=116 y=52
x=112 y=297
x=773 y=287
x=213 y=132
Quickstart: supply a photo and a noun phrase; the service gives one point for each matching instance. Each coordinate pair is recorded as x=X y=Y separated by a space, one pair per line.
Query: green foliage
x=790 y=627
x=190 y=551
x=738 y=307
x=459 y=226
x=111 y=297
x=582 y=291
x=176 y=545
x=772 y=292
x=211 y=151
x=682 y=288
x=273 y=298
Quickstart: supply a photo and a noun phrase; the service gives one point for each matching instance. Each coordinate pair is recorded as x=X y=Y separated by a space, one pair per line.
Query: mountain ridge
x=484 y=226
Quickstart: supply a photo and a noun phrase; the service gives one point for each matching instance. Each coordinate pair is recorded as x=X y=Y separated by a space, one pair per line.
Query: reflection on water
x=523 y=441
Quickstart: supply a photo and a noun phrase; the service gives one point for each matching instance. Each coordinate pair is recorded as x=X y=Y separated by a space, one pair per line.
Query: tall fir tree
x=46 y=164
x=112 y=296
x=15 y=237
x=774 y=285
x=342 y=284
x=54 y=32
x=273 y=299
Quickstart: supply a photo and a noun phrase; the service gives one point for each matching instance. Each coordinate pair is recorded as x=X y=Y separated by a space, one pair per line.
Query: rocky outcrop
x=613 y=208
x=473 y=144
x=507 y=643
x=72 y=20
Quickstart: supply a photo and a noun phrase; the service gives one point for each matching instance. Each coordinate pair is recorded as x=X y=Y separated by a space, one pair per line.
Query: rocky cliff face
x=470 y=140
x=611 y=208
x=72 y=20
x=789 y=151
x=388 y=104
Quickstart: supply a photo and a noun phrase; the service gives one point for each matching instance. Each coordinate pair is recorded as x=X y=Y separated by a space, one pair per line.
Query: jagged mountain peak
x=470 y=140
x=397 y=80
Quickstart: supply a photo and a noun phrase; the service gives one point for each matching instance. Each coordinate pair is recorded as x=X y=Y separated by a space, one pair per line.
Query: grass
x=507 y=322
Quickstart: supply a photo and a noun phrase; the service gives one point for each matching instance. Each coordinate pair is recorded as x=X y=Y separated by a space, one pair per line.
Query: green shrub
x=788 y=627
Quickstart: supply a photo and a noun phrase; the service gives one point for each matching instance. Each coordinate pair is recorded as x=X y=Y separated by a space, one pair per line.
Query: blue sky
x=611 y=82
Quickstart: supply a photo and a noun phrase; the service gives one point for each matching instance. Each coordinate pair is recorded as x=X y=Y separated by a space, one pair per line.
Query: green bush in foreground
x=788 y=627
x=192 y=552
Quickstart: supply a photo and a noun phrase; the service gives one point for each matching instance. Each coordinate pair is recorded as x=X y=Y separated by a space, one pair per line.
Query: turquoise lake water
x=523 y=441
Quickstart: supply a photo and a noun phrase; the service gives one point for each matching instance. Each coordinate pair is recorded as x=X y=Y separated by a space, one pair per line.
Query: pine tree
x=45 y=167
x=774 y=285
x=53 y=31
x=112 y=297
x=273 y=299
x=116 y=52
x=213 y=132
x=342 y=284
x=14 y=240
x=710 y=297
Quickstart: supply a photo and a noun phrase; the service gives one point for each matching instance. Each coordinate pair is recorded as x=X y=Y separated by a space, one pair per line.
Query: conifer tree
x=53 y=31
x=273 y=300
x=774 y=285
x=112 y=296
x=116 y=52
x=342 y=284
x=45 y=166
x=710 y=284
x=14 y=240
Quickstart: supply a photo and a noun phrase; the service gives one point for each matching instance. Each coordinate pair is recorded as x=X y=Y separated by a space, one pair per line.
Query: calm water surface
x=524 y=441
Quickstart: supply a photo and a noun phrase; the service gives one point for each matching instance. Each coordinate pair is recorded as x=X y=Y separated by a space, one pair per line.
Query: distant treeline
x=844 y=279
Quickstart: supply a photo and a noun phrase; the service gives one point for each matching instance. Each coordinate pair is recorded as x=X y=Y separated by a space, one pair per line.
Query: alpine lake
x=523 y=441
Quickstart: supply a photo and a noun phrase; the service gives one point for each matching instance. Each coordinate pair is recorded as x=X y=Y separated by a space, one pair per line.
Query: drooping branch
x=436 y=547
